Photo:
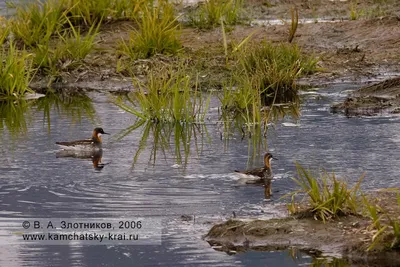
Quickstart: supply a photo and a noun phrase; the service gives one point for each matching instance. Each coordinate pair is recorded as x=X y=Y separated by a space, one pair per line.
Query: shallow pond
x=188 y=194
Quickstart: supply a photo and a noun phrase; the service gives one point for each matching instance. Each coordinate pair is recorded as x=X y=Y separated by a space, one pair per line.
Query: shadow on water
x=174 y=138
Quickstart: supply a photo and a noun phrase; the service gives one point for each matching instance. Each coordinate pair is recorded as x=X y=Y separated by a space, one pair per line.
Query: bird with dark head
x=264 y=175
x=94 y=143
x=263 y=172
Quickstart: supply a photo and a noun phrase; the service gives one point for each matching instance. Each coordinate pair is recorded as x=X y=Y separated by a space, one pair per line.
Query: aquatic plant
x=327 y=196
x=157 y=34
x=212 y=12
x=167 y=96
x=265 y=75
x=272 y=69
x=15 y=72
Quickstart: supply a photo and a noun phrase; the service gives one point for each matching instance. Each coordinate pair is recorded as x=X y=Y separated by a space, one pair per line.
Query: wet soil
x=355 y=50
x=346 y=237
x=379 y=98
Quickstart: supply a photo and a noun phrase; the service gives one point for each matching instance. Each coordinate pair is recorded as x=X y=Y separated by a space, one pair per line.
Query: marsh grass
x=4 y=30
x=265 y=76
x=327 y=196
x=386 y=225
x=36 y=22
x=273 y=69
x=67 y=52
x=15 y=72
x=158 y=33
x=168 y=95
x=92 y=12
x=212 y=12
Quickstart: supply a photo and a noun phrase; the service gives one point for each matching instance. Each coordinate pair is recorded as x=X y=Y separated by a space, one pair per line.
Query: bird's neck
x=96 y=137
x=267 y=163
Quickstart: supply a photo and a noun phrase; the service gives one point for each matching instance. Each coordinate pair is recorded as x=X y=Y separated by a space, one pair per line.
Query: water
x=34 y=183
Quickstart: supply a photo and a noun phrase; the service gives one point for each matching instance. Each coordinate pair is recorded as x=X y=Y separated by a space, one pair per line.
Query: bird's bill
x=274 y=158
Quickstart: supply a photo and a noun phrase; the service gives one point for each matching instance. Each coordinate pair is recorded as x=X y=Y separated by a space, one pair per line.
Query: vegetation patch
x=327 y=196
x=158 y=33
x=15 y=72
x=212 y=13
x=168 y=95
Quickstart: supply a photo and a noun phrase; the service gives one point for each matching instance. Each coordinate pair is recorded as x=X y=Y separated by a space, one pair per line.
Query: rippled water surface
x=35 y=183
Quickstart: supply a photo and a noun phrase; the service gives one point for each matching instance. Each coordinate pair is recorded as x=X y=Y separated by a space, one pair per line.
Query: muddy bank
x=379 y=98
x=348 y=50
x=346 y=237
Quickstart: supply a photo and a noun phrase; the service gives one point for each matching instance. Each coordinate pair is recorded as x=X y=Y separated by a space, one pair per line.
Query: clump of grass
x=167 y=96
x=265 y=75
x=15 y=72
x=93 y=11
x=36 y=22
x=273 y=69
x=68 y=52
x=210 y=13
x=157 y=34
x=327 y=196
x=355 y=13
x=387 y=227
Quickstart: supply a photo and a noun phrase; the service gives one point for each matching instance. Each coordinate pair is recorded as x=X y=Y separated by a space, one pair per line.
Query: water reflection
x=95 y=156
x=14 y=116
x=176 y=138
x=74 y=106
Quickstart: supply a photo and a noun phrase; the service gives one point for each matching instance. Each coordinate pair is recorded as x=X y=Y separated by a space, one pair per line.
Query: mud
x=346 y=237
x=379 y=98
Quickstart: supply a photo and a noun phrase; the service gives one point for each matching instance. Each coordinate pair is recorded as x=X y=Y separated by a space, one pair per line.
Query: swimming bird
x=263 y=174
x=93 y=143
